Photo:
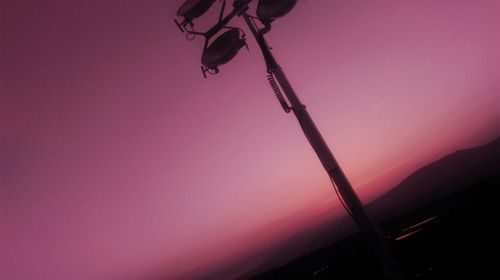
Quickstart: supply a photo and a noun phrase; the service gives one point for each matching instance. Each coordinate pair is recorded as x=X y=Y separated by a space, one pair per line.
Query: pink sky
x=118 y=158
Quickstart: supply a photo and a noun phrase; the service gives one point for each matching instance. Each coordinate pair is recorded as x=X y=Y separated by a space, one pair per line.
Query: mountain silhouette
x=456 y=171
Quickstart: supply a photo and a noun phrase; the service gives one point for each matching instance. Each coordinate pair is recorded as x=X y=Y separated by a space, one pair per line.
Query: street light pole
x=337 y=176
x=225 y=48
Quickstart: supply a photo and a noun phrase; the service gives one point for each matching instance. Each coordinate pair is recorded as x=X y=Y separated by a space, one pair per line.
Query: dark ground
x=461 y=242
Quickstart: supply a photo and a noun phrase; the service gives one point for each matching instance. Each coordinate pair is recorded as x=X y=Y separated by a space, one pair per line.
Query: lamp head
x=194 y=8
x=271 y=9
x=223 y=49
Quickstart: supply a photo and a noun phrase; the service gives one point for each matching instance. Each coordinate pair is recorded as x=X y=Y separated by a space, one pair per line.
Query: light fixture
x=223 y=49
x=194 y=8
x=270 y=9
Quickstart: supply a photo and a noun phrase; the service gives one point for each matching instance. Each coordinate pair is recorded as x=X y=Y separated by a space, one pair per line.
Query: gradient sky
x=118 y=158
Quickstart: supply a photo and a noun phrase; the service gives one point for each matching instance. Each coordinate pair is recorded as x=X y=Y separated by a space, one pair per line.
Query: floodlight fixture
x=223 y=49
x=192 y=9
x=271 y=9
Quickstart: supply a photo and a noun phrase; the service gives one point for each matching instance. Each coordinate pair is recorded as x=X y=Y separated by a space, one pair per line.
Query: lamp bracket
x=209 y=70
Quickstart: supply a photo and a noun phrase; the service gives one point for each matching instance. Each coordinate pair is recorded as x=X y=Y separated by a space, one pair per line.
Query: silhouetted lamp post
x=226 y=46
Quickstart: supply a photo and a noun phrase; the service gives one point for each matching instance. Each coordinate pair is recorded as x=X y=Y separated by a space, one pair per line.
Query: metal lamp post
x=225 y=48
